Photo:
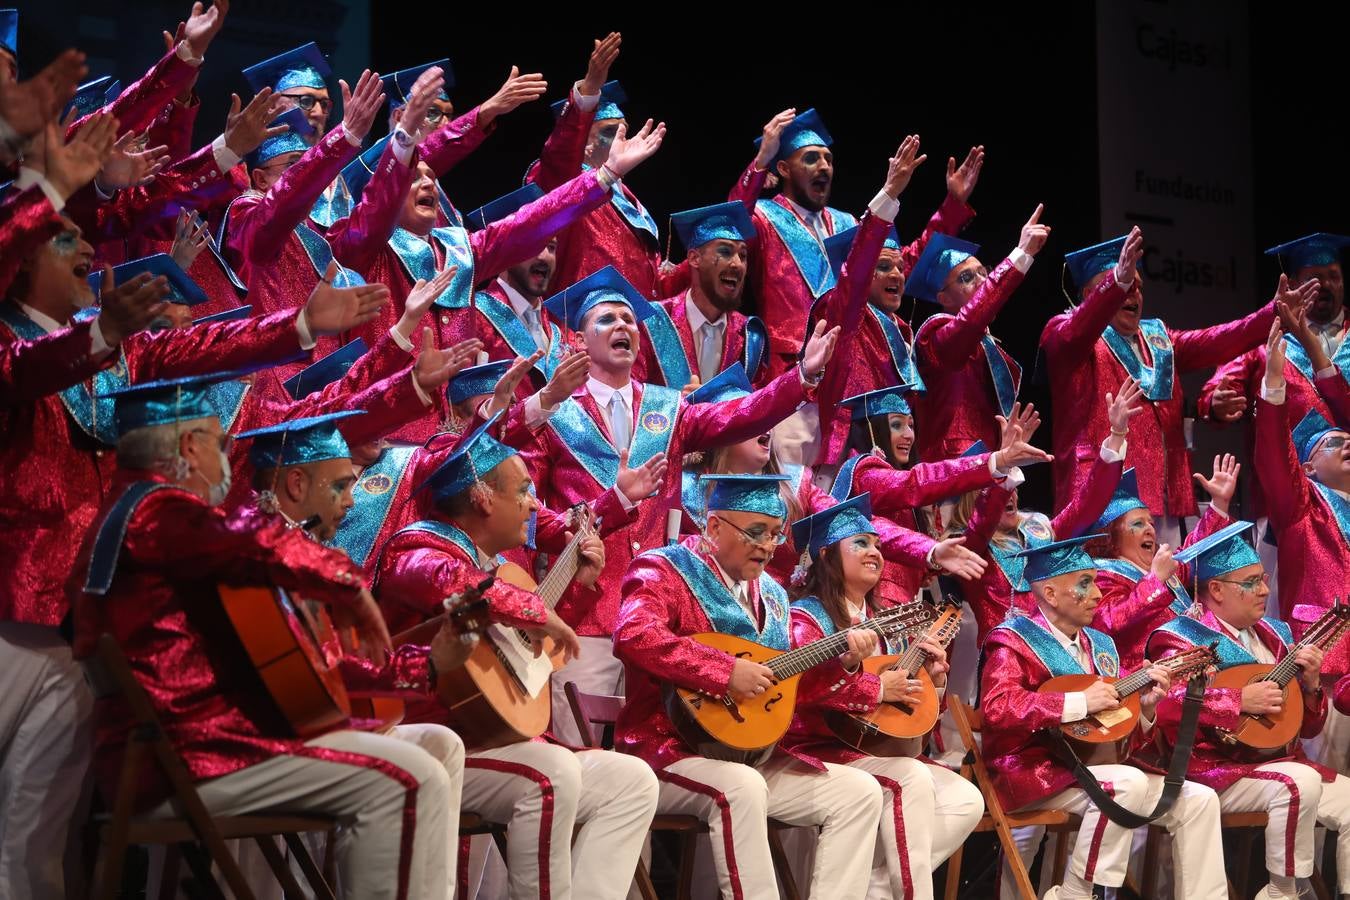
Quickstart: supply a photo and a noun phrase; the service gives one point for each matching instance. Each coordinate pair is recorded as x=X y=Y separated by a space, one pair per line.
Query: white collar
x=43 y=321
x=696 y=317
x=738 y=588
x=1334 y=326
x=518 y=301
x=603 y=392
x=807 y=214
x=1065 y=641
x=1245 y=636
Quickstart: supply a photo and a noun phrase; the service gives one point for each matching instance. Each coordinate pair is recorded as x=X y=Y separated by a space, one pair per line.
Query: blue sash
x=1006 y=378
x=333 y=204
x=1035 y=530
x=1229 y=653
x=756 y=342
x=419 y=261
x=693 y=498
x=447 y=532
x=214 y=249
x=447 y=208
x=842 y=488
x=802 y=244
x=108 y=542
x=653 y=428
x=93 y=416
x=374 y=497
x=901 y=357
x=726 y=615
x=1340 y=508
x=1295 y=353
x=1155 y=380
x=1053 y=655
x=1181 y=600
x=633 y=213
x=227 y=398
x=816 y=610
x=321 y=254
x=517 y=336
x=668 y=349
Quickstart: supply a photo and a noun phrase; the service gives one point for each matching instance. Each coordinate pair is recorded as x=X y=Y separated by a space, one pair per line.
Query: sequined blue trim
x=333 y=204
x=1155 y=380
x=652 y=430
x=1229 y=652
x=1181 y=599
x=419 y=261
x=842 y=488
x=448 y=209
x=692 y=498
x=726 y=615
x=321 y=254
x=227 y=398
x=447 y=532
x=1295 y=353
x=374 y=496
x=1014 y=567
x=756 y=342
x=108 y=543
x=901 y=357
x=93 y=413
x=802 y=245
x=1006 y=377
x=1340 y=508
x=667 y=348
x=1055 y=658
x=517 y=336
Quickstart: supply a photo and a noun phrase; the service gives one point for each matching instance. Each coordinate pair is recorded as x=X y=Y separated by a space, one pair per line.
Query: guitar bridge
x=733 y=710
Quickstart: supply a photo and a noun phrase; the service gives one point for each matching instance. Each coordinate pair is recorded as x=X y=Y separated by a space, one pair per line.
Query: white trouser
x=539 y=791
x=796 y=439
x=445 y=747
x=391 y=800
x=1102 y=848
x=926 y=813
x=46 y=740
x=1331 y=747
x=737 y=801
x=595 y=671
x=1296 y=799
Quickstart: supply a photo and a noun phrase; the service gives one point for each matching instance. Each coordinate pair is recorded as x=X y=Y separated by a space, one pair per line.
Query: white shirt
x=696 y=317
x=1330 y=334
x=517 y=300
x=97 y=346
x=739 y=590
x=1075 y=704
x=1249 y=639
x=603 y=395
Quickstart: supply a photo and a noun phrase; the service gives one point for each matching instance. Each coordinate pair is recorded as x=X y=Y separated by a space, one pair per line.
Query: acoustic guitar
x=897 y=729
x=501 y=694
x=294 y=647
x=1269 y=734
x=746 y=732
x=1105 y=731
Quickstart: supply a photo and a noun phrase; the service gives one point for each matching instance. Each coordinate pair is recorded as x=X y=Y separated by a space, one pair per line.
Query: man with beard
x=699 y=333
x=1092 y=348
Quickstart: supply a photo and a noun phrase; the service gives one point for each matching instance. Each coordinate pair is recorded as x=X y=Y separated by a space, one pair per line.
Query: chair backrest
x=591 y=710
x=969 y=722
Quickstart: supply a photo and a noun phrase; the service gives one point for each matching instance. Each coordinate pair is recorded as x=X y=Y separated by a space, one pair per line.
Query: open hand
x=961 y=181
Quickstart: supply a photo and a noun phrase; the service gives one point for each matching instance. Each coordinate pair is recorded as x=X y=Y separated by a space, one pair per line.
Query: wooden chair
x=1059 y=824
x=603 y=710
x=115 y=831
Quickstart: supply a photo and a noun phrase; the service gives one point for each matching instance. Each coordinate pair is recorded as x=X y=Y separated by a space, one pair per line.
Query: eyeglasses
x=969 y=275
x=226 y=441
x=436 y=115
x=308 y=101
x=758 y=536
x=1247 y=585
x=1333 y=444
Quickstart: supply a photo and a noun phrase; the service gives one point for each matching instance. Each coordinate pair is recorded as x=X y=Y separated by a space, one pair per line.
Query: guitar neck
x=915 y=657
x=551 y=589
x=1324 y=634
x=1181 y=664
x=795 y=662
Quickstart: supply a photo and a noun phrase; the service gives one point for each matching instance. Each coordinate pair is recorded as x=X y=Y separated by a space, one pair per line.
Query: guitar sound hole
x=772 y=701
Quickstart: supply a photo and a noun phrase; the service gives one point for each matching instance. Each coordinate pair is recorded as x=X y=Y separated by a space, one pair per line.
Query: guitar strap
x=1172 y=782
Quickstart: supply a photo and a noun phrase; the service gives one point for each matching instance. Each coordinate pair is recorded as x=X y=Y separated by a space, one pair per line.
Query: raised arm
x=1069 y=338
x=1288 y=494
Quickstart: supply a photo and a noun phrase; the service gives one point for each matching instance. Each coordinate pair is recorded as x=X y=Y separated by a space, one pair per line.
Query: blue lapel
x=517 y=336
x=653 y=428
x=419 y=261
x=111 y=532
x=726 y=615
x=901 y=358
x=1155 y=380
x=374 y=494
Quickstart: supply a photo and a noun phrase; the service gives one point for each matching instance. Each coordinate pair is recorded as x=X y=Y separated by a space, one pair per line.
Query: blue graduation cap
x=1311 y=429
x=182 y=289
x=746 y=493
x=324 y=372
x=605 y=286
x=942 y=254
x=1318 y=249
x=299 y=137
x=229 y=315
x=1058 y=558
x=92 y=96
x=1125 y=498
x=611 y=95
x=474 y=457
x=399 y=85
x=838 y=245
x=496 y=210
x=302 y=66
x=1086 y=264
x=167 y=400
x=831 y=525
x=476 y=380
x=806 y=130
x=1224 y=551
x=880 y=402
x=299 y=441
x=9 y=31
x=729 y=384
x=721 y=221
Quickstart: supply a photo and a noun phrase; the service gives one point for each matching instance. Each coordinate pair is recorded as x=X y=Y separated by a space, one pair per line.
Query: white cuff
x=624 y=501
x=32 y=177
x=184 y=51
x=1021 y=260
x=1327 y=372
x=404 y=343
x=1075 y=707
x=421 y=394
x=351 y=138
x=403 y=149
x=584 y=102
x=307 y=341
x=226 y=159
x=607 y=178
x=98 y=345
x=1121 y=282
x=1273 y=395
x=1112 y=456
x=536 y=414
x=884 y=206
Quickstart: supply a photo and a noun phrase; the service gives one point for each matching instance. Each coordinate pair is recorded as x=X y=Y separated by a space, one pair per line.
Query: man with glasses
x=715 y=582
x=1296 y=793
x=969 y=378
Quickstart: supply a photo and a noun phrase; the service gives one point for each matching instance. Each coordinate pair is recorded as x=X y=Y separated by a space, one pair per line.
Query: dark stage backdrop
x=1020 y=79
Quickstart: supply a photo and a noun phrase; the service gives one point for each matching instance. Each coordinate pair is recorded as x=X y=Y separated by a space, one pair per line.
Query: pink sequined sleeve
x=1221 y=707
x=902 y=545
x=27 y=220
x=1335 y=391
x=923 y=484
x=423 y=577
x=955 y=340
x=406 y=674
x=830 y=685
x=711 y=425
x=551 y=530
x=748 y=187
x=1288 y=495
x=643 y=635
x=145 y=98
x=565 y=150
x=1087 y=505
x=1204 y=347
x=1238 y=373
x=1340 y=695
x=215 y=347
x=525 y=232
x=1007 y=697
x=1069 y=337
x=358 y=238
x=448 y=145
x=194 y=182
x=30 y=370
x=984 y=519
x=1124 y=602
